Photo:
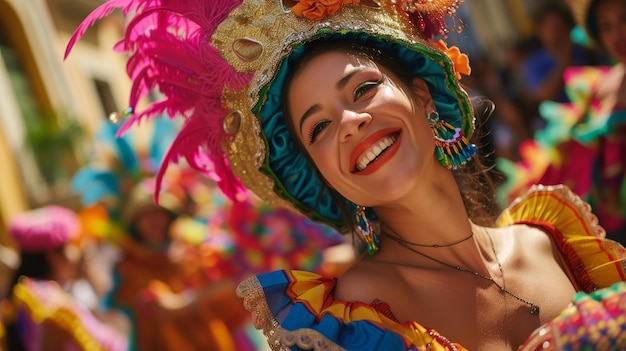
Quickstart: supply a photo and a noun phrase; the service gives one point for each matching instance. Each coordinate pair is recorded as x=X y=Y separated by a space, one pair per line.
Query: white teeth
x=374 y=151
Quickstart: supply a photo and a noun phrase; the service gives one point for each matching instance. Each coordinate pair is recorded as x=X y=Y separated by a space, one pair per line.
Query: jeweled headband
x=222 y=64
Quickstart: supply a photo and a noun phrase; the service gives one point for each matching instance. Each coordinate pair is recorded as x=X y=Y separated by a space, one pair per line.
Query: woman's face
x=553 y=30
x=153 y=225
x=610 y=17
x=365 y=131
x=64 y=263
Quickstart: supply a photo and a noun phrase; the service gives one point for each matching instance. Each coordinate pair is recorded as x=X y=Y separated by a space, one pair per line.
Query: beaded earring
x=453 y=149
x=366 y=229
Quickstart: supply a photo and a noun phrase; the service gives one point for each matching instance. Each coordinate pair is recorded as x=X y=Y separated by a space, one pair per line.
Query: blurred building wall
x=41 y=94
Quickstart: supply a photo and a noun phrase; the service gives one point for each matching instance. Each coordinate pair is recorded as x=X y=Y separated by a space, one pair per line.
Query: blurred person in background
x=554 y=51
x=513 y=100
x=160 y=279
x=601 y=126
x=544 y=66
x=46 y=311
x=166 y=292
x=584 y=142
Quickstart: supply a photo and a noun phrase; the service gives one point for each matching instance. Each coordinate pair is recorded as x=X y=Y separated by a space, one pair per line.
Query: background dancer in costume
x=584 y=142
x=47 y=312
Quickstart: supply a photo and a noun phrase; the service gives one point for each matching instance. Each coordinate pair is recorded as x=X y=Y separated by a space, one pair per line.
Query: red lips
x=367 y=143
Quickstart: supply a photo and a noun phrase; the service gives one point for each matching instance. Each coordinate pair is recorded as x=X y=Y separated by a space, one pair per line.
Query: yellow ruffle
x=57 y=309
x=592 y=260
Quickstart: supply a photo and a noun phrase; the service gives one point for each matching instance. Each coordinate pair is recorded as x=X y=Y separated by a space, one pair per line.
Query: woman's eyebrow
x=308 y=113
x=345 y=79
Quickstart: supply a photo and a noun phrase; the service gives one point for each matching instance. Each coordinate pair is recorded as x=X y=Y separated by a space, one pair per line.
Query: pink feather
x=170 y=50
x=99 y=13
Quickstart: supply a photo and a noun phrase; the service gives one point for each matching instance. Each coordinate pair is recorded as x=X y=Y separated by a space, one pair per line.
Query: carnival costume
x=222 y=65
x=36 y=303
x=578 y=147
x=582 y=144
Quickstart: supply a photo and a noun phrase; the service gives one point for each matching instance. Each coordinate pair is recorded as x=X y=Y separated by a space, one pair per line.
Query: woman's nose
x=352 y=122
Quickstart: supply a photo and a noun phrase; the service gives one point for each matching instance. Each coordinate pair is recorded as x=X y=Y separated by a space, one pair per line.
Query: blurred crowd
x=530 y=71
x=556 y=103
x=124 y=273
x=566 y=123
x=160 y=279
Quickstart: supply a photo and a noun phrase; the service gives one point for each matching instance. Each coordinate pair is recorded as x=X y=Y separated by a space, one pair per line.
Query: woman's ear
x=422 y=93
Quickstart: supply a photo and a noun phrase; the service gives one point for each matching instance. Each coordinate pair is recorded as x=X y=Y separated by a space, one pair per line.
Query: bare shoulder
x=367 y=281
x=527 y=241
x=528 y=235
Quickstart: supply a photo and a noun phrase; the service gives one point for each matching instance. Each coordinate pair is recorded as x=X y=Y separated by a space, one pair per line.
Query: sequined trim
x=442 y=340
x=279 y=339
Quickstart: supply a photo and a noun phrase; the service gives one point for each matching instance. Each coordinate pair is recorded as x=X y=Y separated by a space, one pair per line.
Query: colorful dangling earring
x=364 y=226
x=452 y=147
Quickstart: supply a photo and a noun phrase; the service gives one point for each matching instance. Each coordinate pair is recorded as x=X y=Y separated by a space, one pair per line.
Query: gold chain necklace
x=435 y=246
x=534 y=309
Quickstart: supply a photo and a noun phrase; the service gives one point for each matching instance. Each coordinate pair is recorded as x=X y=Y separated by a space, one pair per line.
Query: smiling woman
x=352 y=115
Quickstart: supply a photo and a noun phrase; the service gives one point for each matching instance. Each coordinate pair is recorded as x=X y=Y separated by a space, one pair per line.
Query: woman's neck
x=435 y=219
x=436 y=208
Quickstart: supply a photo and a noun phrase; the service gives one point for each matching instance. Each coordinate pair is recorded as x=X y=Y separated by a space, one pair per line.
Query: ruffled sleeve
x=296 y=311
x=592 y=261
x=45 y=301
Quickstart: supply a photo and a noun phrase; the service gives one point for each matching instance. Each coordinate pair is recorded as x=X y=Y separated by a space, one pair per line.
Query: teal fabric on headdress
x=295 y=177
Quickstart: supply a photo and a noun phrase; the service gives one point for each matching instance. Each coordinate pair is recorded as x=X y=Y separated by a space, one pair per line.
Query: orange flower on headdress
x=318 y=9
x=459 y=59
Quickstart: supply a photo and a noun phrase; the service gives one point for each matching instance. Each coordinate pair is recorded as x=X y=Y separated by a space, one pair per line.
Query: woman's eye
x=317 y=129
x=364 y=88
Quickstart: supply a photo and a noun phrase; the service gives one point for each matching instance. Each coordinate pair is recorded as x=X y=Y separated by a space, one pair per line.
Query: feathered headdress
x=221 y=65
x=169 y=41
